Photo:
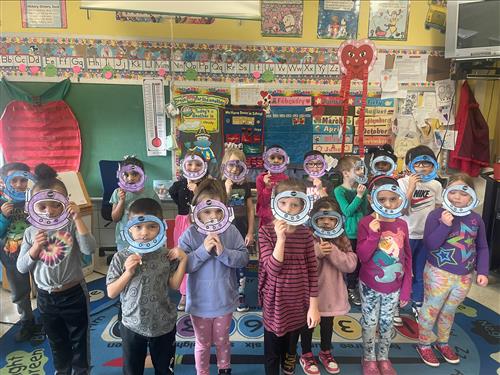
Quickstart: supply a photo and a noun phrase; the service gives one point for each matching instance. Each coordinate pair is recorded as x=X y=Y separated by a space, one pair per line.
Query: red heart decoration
x=356 y=57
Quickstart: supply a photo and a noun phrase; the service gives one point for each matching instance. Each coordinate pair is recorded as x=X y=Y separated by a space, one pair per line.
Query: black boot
x=225 y=371
x=26 y=331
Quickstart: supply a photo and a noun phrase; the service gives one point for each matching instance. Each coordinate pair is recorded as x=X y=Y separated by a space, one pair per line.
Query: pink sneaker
x=309 y=364
x=427 y=355
x=385 y=367
x=327 y=360
x=447 y=353
x=370 y=367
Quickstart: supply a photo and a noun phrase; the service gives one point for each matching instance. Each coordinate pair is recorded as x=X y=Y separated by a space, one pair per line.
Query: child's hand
x=131 y=263
x=413 y=180
x=121 y=194
x=177 y=254
x=229 y=185
x=280 y=229
x=403 y=303
x=482 y=280
x=317 y=183
x=74 y=211
x=39 y=243
x=267 y=178
x=218 y=245
x=313 y=317
x=209 y=243
x=325 y=247
x=360 y=190
x=7 y=209
x=375 y=225
x=447 y=218
x=249 y=239
x=191 y=186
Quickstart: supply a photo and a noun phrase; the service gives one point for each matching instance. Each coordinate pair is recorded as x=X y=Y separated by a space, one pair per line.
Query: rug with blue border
x=475 y=337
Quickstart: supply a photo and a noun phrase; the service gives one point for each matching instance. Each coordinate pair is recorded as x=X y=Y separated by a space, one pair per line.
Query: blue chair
x=108 y=170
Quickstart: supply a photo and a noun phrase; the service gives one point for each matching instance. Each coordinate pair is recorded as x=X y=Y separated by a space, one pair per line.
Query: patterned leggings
x=444 y=291
x=208 y=331
x=377 y=309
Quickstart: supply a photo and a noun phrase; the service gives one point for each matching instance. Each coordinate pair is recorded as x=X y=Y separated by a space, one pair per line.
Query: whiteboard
x=77 y=192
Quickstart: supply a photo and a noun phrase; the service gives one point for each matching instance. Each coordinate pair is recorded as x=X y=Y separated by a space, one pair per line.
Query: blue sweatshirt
x=212 y=287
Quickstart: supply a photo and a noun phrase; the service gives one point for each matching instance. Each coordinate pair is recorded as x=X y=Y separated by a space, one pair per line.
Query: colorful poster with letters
x=338 y=19
x=282 y=17
x=389 y=19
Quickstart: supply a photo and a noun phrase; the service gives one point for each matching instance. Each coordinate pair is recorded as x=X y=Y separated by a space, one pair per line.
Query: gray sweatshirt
x=60 y=262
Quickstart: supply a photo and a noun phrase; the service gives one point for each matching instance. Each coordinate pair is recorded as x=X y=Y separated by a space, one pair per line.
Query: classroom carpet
x=475 y=337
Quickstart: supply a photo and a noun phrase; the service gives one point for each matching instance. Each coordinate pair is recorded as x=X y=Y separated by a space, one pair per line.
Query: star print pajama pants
x=208 y=331
x=443 y=293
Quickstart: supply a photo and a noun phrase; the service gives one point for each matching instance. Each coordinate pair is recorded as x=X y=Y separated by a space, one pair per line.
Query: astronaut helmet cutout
x=47 y=209
x=235 y=170
x=459 y=198
x=211 y=216
x=275 y=159
x=315 y=165
x=327 y=224
x=194 y=167
x=386 y=198
x=360 y=172
x=131 y=178
x=144 y=233
x=381 y=160
x=292 y=206
x=425 y=165
x=16 y=184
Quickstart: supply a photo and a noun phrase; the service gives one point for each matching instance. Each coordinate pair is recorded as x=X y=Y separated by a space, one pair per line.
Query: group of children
x=319 y=249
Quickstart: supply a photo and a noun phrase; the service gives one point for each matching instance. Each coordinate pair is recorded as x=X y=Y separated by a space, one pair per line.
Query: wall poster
x=389 y=19
x=338 y=19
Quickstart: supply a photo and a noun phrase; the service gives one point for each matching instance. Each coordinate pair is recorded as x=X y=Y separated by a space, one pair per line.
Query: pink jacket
x=332 y=298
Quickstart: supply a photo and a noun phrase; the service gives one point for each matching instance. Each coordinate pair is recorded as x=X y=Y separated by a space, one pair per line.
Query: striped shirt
x=285 y=287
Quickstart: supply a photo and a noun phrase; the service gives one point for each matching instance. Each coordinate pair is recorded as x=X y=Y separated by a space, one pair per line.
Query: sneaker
x=370 y=367
x=224 y=371
x=354 y=297
x=328 y=362
x=427 y=355
x=415 y=309
x=447 y=353
x=398 y=322
x=242 y=307
x=27 y=330
x=182 y=303
x=385 y=367
x=309 y=364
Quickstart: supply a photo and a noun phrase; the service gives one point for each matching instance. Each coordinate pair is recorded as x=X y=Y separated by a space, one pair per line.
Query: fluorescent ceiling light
x=246 y=10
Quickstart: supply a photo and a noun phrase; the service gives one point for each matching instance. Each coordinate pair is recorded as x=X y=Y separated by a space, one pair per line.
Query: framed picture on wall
x=46 y=13
x=338 y=19
x=282 y=17
x=389 y=19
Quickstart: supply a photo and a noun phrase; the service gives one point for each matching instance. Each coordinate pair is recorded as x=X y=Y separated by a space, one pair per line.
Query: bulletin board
x=111 y=120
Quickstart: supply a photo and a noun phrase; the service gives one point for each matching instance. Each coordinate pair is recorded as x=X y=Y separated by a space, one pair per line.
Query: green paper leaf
x=268 y=76
x=190 y=74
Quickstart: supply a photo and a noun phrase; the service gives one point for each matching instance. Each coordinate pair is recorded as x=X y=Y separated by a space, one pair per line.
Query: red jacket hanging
x=472 y=150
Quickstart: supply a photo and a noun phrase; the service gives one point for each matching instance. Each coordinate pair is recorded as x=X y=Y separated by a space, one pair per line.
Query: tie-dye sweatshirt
x=385 y=256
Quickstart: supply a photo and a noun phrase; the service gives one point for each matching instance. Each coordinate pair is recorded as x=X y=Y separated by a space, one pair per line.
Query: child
x=288 y=283
x=182 y=192
x=212 y=290
x=351 y=197
x=142 y=281
x=317 y=187
x=335 y=257
x=449 y=272
x=384 y=277
x=54 y=258
x=387 y=167
x=240 y=198
x=121 y=200
x=265 y=183
x=12 y=225
x=423 y=198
